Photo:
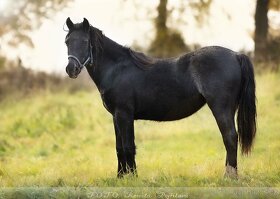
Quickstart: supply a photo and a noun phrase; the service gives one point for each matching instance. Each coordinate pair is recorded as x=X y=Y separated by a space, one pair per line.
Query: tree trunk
x=162 y=16
x=167 y=42
x=261 y=29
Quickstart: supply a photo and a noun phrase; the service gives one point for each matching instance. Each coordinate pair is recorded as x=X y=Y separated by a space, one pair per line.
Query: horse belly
x=172 y=109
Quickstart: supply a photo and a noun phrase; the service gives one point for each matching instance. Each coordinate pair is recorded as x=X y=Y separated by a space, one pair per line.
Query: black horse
x=134 y=86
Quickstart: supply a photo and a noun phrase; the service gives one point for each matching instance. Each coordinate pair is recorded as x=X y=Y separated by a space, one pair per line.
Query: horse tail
x=246 y=116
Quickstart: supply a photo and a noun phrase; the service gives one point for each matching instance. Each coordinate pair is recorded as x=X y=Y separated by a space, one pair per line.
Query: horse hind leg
x=224 y=116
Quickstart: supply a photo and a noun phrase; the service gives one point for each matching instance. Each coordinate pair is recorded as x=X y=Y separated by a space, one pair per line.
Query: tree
x=262 y=42
x=168 y=41
x=261 y=28
x=22 y=16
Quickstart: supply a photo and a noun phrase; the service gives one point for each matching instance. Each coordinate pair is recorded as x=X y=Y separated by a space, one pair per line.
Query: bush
x=20 y=81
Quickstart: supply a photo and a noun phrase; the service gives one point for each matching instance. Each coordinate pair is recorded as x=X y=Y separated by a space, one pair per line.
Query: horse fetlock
x=231 y=172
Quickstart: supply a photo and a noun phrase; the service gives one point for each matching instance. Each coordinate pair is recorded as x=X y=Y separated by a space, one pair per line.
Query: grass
x=67 y=140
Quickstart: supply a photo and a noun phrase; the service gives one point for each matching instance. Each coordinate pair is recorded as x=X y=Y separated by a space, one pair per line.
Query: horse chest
x=107 y=101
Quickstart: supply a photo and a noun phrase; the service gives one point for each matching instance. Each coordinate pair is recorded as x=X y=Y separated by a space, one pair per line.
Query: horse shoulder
x=119 y=94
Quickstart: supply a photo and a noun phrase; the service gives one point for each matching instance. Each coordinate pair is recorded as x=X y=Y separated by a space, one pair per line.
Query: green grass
x=68 y=140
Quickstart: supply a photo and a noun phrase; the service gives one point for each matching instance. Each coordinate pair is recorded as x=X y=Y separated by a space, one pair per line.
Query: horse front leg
x=125 y=124
x=120 y=152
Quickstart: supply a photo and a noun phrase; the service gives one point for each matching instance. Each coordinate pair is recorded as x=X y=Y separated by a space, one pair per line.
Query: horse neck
x=112 y=51
x=110 y=57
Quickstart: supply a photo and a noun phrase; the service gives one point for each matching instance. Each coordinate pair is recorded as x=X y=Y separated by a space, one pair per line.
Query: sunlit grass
x=68 y=140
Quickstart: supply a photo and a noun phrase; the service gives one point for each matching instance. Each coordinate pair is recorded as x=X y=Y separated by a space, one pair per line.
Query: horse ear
x=86 y=25
x=69 y=23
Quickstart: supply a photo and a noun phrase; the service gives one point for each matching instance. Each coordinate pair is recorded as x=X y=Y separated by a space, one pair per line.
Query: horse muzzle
x=73 y=70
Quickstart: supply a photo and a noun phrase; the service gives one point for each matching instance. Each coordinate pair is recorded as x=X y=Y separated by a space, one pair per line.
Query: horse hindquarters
x=232 y=86
x=218 y=77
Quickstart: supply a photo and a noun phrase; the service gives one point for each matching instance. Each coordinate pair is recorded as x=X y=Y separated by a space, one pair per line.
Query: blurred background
x=47 y=119
x=32 y=35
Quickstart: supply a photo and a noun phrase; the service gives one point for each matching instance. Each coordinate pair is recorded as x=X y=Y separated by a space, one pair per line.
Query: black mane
x=141 y=60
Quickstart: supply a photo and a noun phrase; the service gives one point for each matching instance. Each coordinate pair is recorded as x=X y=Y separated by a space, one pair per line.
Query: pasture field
x=67 y=140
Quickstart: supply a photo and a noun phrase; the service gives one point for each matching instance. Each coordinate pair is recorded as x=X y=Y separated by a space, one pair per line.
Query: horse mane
x=141 y=60
x=96 y=37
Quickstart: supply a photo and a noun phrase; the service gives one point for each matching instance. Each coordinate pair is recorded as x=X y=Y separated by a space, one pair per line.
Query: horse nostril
x=66 y=70
x=76 y=69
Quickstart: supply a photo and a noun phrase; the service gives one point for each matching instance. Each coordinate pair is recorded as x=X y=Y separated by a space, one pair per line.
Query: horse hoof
x=231 y=172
